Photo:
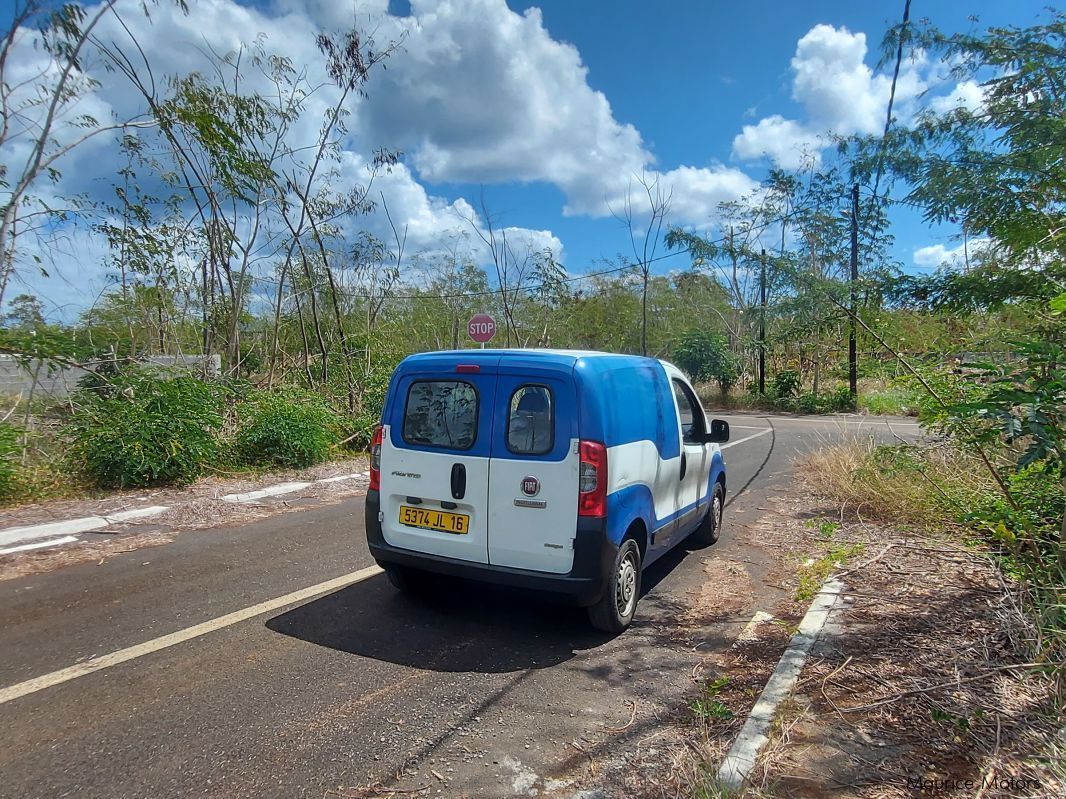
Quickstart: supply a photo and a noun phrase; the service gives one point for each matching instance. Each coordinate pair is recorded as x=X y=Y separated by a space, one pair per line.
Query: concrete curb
x=14 y=535
x=741 y=758
x=288 y=488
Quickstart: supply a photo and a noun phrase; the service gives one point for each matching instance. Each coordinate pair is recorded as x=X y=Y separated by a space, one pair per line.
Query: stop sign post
x=481 y=328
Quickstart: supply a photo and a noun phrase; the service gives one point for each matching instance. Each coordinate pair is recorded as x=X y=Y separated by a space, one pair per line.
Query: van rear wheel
x=711 y=528
x=405 y=580
x=616 y=607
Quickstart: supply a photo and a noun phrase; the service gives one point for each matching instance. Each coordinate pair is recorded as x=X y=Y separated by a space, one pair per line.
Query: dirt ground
x=197 y=506
x=922 y=683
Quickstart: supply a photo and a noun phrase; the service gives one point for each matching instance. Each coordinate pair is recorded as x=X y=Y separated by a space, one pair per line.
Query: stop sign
x=481 y=327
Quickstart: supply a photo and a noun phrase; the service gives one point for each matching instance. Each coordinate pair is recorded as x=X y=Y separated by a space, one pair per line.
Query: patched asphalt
x=470 y=690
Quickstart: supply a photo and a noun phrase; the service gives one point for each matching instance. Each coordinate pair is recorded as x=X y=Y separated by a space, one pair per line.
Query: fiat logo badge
x=530 y=486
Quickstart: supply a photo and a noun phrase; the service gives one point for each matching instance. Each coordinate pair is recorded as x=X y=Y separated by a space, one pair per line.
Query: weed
x=814 y=575
x=707 y=707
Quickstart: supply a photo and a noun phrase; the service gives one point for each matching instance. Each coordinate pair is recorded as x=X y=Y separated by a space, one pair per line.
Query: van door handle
x=684 y=465
x=458 y=481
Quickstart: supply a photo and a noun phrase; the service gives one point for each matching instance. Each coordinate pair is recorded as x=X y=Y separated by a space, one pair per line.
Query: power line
x=353 y=294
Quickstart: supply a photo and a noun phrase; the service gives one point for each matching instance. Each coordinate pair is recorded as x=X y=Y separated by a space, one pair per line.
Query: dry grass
x=925 y=678
x=925 y=485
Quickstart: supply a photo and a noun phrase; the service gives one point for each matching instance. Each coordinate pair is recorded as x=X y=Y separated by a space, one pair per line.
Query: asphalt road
x=475 y=691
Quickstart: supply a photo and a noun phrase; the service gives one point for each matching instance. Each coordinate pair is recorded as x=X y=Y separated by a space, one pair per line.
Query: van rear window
x=441 y=413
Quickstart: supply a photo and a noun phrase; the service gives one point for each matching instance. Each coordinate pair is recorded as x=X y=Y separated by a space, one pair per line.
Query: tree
x=644 y=216
x=40 y=114
x=25 y=313
x=706 y=356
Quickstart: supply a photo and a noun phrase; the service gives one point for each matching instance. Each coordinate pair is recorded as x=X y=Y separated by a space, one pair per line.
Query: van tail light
x=375 y=458
x=592 y=480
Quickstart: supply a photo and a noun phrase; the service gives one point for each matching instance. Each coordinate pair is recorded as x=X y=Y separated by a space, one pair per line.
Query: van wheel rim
x=625 y=594
x=716 y=509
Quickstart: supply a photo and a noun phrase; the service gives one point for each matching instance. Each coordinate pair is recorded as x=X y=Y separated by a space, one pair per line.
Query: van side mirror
x=719 y=432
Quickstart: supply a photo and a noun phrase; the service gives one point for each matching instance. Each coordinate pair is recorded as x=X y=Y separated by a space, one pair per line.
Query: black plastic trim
x=594 y=557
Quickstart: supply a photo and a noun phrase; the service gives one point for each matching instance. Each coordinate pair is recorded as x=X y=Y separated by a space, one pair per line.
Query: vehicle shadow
x=454 y=625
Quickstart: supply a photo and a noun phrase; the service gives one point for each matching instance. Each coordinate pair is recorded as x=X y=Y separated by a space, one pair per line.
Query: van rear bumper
x=594 y=557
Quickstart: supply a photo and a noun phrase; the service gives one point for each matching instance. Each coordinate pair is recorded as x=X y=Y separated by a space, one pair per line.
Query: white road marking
x=752 y=738
x=130 y=653
x=748 y=633
x=269 y=491
x=73 y=526
x=764 y=431
x=873 y=420
x=54 y=542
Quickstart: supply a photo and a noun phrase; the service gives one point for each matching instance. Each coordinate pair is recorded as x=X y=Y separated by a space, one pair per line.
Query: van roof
x=546 y=356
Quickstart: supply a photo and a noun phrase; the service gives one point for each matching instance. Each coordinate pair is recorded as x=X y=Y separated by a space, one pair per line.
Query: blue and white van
x=557 y=470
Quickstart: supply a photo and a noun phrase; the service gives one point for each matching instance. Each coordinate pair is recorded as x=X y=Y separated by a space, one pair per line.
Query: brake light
x=592 y=480
x=375 y=458
x=467 y=368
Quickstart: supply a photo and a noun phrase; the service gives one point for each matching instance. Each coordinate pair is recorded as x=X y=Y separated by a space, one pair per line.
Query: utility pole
x=853 y=360
x=762 y=323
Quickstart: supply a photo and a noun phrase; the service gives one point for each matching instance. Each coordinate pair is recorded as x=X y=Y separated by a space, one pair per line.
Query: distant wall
x=17 y=379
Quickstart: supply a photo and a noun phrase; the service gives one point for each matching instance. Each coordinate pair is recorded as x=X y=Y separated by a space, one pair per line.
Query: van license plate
x=457 y=523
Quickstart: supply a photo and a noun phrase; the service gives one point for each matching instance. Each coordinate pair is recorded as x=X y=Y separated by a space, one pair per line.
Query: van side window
x=441 y=413
x=693 y=422
x=531 y=422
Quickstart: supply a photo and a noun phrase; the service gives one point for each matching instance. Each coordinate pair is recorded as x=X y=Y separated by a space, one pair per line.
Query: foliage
x=288 y=427
x=708 y=707
x=892 y=400
x=9 y=452
x=145 y=428
x=812 y=576
x=785 y=383
x=706 y=356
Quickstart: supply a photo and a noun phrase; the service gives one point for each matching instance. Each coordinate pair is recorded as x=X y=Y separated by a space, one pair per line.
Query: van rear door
x=533 y=479
x=435 y=462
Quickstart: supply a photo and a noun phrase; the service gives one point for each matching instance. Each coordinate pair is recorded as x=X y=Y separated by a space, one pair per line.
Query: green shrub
x=1038 y=491
x=838 y=401
x=706 y=356
x=786 y=383
x=9 y=452
x=145 y=428
x=894 y=400
x=289 y=427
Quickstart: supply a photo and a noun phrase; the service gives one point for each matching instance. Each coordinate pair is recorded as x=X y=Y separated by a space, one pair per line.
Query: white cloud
x=178 y=44
x=482 y=94
x=935 y=256
x=839 y=94
x=968 y=94
x=786 y=142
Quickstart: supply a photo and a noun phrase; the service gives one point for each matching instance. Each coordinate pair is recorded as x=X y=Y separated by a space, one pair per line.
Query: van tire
x=405 y=580
x=710 y=529
x=614 y=610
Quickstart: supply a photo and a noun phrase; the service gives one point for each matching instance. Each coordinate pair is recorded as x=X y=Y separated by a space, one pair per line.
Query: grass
x=926 y=486
x=938 y=489
x=812 y=576
x=876 y=397
x=880 y=399
x=707 y=707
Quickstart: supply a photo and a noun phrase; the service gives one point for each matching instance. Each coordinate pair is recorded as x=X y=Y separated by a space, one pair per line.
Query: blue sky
x=689 y=75
x=550 y=108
